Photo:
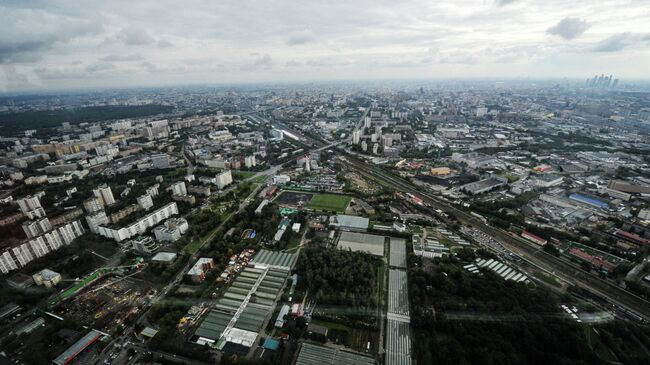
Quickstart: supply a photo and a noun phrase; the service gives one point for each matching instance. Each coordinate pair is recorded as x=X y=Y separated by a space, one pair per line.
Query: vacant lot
x=329 y=202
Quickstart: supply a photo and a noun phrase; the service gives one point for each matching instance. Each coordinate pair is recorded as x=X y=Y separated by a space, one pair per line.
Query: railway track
x=566 y=271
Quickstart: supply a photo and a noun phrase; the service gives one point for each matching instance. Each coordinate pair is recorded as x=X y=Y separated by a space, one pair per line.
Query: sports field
x=329 y=202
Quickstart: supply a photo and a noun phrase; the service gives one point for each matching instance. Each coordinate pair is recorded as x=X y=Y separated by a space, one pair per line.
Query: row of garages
x=501 y=269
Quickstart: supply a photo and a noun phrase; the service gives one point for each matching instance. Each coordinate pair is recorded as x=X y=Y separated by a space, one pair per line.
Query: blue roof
x=271 y=344
x=588 y=200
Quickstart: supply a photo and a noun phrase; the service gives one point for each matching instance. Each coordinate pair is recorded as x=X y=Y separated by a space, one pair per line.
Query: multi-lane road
x=562 y=269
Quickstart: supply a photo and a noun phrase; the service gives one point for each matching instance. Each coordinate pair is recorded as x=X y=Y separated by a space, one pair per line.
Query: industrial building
x=362 y=242
x=311 y=354
x=237 y=318
x=349 y=222
x=73 y=351
x=47 y=277
x=483 y=186
x=275 y=259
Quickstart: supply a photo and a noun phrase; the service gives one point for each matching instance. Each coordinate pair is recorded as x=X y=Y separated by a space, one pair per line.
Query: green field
x=76 y=287
x=329 y=202
x=241 y=175
x=195 y=245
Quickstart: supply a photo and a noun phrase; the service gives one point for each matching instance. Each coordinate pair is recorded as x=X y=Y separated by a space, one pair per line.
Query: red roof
x=632 y=236
x=595 y=260
x=533 y=237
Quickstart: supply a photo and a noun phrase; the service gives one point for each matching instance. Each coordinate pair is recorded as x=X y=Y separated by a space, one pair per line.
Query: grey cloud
x=149 y=67
x=294 y=63
x=163 y=43
x=569 y=28
x=264 y=61
x=121 y=58
x=503 y=2
x=12 y=77
x=26 y=32
x=614 y=43
x=135 y=37
x=100 y=67
x=300 y=38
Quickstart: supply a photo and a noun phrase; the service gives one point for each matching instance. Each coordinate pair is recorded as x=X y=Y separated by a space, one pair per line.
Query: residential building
x=178 y=188
x=223 y=179
x=138 y=227
x=201 y=267
x=105 y=195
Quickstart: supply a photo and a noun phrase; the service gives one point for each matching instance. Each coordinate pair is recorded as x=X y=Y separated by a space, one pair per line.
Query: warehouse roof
x=311 y=354
x=68 y=355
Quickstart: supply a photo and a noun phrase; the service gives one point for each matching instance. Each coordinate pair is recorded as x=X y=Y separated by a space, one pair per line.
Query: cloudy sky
x=61 y=44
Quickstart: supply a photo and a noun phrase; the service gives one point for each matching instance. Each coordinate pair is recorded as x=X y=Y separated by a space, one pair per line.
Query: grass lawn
x=329 y=202
x=194 y=246
x=294 y=241
x=240 y=175
x=74 y=288
x=260 y=179
x=593 y=341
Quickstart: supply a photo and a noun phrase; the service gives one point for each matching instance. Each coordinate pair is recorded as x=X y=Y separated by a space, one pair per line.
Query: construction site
x=107 y=302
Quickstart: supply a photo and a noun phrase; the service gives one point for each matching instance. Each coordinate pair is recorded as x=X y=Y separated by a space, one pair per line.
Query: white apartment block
x=21 y=255
x=105 y=195
x=224 y=179
x=139 y=227
x=179 y=189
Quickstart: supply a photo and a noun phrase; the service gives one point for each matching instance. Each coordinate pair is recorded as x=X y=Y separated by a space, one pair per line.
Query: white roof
x=164 y=256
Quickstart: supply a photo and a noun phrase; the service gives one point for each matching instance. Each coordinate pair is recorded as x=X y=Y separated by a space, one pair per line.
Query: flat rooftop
x=362 y=242
x=311 y=354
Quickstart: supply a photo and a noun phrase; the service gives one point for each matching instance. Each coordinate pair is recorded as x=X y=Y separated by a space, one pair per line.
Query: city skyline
x=59 y=45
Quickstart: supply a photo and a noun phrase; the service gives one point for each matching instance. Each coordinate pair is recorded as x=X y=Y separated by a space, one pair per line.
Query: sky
x=58 y=44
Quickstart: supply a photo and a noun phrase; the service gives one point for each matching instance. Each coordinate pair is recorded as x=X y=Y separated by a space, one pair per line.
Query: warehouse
x=73 y=351
x=589 y=201
x=277 y=259
x=238 y=316
x=311 y=354
x=349 y=222
x=397 y=253
x=362 y=242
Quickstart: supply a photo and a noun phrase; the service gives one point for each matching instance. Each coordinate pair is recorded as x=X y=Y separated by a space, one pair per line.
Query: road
x=566 y=271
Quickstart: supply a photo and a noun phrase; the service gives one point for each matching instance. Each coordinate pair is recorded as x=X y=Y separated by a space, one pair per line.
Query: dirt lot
x=293 y=199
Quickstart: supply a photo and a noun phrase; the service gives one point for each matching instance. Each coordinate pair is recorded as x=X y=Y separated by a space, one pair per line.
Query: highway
x=564 y=270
